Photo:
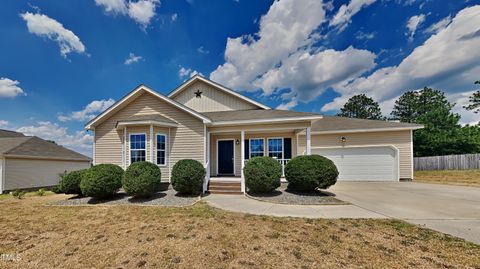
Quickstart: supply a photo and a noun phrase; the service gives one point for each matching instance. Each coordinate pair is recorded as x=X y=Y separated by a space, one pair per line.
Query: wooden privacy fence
x=449 y=162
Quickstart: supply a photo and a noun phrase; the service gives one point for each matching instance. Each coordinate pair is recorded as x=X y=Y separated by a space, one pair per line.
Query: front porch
x=229 y=149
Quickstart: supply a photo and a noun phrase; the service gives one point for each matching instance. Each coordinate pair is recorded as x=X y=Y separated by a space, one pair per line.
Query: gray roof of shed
x=32 y=146
x=334 y=123
x=255 y=114
x=8 y=133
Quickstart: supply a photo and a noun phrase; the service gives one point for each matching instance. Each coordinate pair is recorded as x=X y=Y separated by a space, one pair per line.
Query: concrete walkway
x=453 y=210
x=240 y=203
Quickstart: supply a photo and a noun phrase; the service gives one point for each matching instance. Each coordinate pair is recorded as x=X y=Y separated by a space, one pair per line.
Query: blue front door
x=225 y=157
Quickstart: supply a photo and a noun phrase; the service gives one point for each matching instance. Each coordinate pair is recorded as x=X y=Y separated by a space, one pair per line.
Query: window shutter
x=287 y=144
x=247 y=150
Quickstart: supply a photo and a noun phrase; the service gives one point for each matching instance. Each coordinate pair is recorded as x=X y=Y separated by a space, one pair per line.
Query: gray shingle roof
x=8 y=133
x=254 y=114
x=333 y=123
x=8 y=143
x=32 y=146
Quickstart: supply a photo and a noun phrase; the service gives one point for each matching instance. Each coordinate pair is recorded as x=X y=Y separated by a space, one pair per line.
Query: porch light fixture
x=237 y=142
x=343 y=139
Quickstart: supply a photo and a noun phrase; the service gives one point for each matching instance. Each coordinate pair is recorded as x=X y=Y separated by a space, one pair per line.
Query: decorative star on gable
x=198 y=94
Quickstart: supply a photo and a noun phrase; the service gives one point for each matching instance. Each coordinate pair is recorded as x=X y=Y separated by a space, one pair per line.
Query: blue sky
x=62 y=62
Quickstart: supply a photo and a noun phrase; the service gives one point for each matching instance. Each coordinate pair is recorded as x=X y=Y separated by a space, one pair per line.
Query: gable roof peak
x=198 y=77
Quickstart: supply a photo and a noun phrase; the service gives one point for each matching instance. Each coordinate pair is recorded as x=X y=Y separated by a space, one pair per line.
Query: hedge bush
x=70 y=182
x=187 y=176
x=262 y=174
x=142 y=179
x=306 y=173
x=101 y=181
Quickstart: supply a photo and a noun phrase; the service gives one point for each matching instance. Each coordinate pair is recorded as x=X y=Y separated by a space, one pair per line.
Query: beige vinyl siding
x=185 y=141
x=215 y=137
x=32 y=173
x=399 y=139
x=212 y=99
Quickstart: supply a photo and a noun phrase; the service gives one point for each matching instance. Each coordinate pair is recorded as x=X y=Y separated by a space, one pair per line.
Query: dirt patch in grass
x=203 y=237
x=451 y=177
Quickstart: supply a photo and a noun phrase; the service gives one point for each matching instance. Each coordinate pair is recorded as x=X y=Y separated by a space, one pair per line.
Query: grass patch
x=451 y=177
x=27 y=194
x=164 y=237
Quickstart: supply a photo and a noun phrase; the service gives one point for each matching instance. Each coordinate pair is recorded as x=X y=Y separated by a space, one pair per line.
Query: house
x=222 y=129
x=29 y=162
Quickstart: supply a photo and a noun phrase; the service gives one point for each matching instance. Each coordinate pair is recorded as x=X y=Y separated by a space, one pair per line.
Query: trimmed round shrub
x=307 y=173
x=262 y=174
x=101 y=181
x=188 y=176
x=142 y=179
x=70 y=182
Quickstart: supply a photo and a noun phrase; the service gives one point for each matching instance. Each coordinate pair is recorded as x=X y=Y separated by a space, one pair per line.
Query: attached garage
x=28 y=162
x=363 y=150
x=363 y=163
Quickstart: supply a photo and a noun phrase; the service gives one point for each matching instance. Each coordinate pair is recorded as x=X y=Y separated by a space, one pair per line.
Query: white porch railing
x=283 y=162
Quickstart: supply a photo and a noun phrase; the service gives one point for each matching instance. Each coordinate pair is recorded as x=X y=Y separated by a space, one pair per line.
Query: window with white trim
x=138 y=150
x=275 y=148
x=161 y=149
x=256 y=147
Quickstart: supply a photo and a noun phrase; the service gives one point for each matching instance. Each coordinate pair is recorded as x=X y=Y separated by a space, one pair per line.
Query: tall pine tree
x=361 y=107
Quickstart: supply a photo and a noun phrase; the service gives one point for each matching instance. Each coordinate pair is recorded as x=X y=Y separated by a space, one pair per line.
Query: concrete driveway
x=449 y=209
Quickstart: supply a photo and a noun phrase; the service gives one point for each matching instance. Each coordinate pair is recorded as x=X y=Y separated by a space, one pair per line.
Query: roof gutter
x=366 y=130
x=260 y=121
x=45 y=158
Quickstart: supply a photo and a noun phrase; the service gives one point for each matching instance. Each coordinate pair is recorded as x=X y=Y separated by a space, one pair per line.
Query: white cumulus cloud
x=113 y=6
x=45 y=26
x=3 y=123
x=187 y=73
x=79 y=141
x=281 y=56
x=88 y=112
x=345 y=13
x=132 y=58
x=174 y=17
x=413 y=23
x=438 y=26
x=285 y=28
x=141 y=11
x=10 y=88
x=448 y=61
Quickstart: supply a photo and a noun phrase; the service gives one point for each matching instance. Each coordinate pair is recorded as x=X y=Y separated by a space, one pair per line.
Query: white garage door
x=363 y=164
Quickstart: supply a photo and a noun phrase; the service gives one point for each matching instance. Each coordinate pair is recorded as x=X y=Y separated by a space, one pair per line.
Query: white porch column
x=207 y=160
x=309 y=141
x=125 y=148
x=242 y=159
x=151 y=144
x=93 y=148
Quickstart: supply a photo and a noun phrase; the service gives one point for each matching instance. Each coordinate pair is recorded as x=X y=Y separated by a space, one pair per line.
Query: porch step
x=224 y=187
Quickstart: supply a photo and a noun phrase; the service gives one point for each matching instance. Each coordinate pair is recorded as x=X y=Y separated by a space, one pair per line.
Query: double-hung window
x=161 y=149
x=138 y=150
x=256 y=147
x=275 y=148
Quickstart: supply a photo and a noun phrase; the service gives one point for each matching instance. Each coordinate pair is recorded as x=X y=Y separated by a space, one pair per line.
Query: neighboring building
x=28 y=162
x=222 y=129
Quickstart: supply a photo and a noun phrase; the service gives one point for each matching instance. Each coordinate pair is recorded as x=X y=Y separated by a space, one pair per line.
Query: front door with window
x=225 y=157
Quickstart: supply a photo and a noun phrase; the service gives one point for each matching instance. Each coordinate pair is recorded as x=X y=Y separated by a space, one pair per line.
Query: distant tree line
x=442 y=135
